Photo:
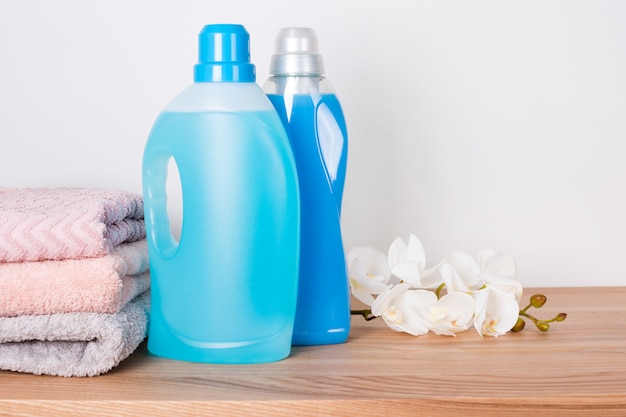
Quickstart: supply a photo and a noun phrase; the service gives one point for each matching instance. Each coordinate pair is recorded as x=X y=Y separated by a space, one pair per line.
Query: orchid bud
x=519 y=326
x=538 y=300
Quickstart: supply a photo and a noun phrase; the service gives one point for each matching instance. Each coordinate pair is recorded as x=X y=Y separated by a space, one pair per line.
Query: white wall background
x=473 y=124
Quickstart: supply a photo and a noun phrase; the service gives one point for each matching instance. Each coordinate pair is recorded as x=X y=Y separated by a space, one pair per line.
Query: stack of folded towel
x=74 y=280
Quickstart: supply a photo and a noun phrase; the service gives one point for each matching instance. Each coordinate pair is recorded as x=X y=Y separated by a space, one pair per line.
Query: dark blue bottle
x=316 y=128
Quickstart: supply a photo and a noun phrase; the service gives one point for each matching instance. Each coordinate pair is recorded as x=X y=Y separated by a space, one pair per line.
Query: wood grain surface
x=578 y=368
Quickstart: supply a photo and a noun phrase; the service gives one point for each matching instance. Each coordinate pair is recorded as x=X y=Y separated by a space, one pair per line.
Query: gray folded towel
x=73 y=344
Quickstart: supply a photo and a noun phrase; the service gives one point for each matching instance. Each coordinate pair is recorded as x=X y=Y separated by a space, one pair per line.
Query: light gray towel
x=73 y=344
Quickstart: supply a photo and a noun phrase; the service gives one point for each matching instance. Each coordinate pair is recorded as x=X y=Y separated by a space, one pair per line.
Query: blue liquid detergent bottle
x=316 y=128
x=226 y=291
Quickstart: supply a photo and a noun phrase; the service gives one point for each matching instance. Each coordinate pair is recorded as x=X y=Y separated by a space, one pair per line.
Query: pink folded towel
x=66 y=223
x=97 y=285
x=73 y=344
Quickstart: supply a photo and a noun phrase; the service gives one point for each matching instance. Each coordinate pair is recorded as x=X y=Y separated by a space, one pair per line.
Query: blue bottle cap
x=224 y=55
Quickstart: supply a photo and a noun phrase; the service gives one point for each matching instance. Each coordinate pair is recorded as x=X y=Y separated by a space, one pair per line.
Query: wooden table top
x=577 y=368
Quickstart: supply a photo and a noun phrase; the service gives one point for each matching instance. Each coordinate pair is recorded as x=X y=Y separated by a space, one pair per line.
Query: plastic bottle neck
x=298 y=84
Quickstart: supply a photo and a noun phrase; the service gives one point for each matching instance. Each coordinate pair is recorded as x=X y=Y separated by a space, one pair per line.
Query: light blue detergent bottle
x=317 y=131
x=226 y=291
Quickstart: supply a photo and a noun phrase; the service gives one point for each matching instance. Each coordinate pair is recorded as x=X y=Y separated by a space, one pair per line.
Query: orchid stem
x=366 y=313
x=525 y=314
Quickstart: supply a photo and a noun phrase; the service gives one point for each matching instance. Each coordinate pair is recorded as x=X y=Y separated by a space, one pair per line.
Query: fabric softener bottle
x=225 y=292
x=317 y=132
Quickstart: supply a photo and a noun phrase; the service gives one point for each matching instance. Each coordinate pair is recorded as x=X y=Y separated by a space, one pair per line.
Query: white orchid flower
x=407 y=261
x=482 y=291
x=461 y=272
x=397 y=312
x=498 y=270
x=369 y=273
x=449 y=315
x=497 y=311
x=419 y=311
x=501 y=264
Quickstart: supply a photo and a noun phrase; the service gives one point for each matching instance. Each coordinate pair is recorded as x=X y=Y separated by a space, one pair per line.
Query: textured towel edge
x=73 y=344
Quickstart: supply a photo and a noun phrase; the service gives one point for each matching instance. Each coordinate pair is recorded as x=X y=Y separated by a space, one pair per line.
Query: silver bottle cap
x=296 y=53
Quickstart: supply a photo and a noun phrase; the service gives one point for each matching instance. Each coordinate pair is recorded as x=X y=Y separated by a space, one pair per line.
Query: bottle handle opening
x=163 y=234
